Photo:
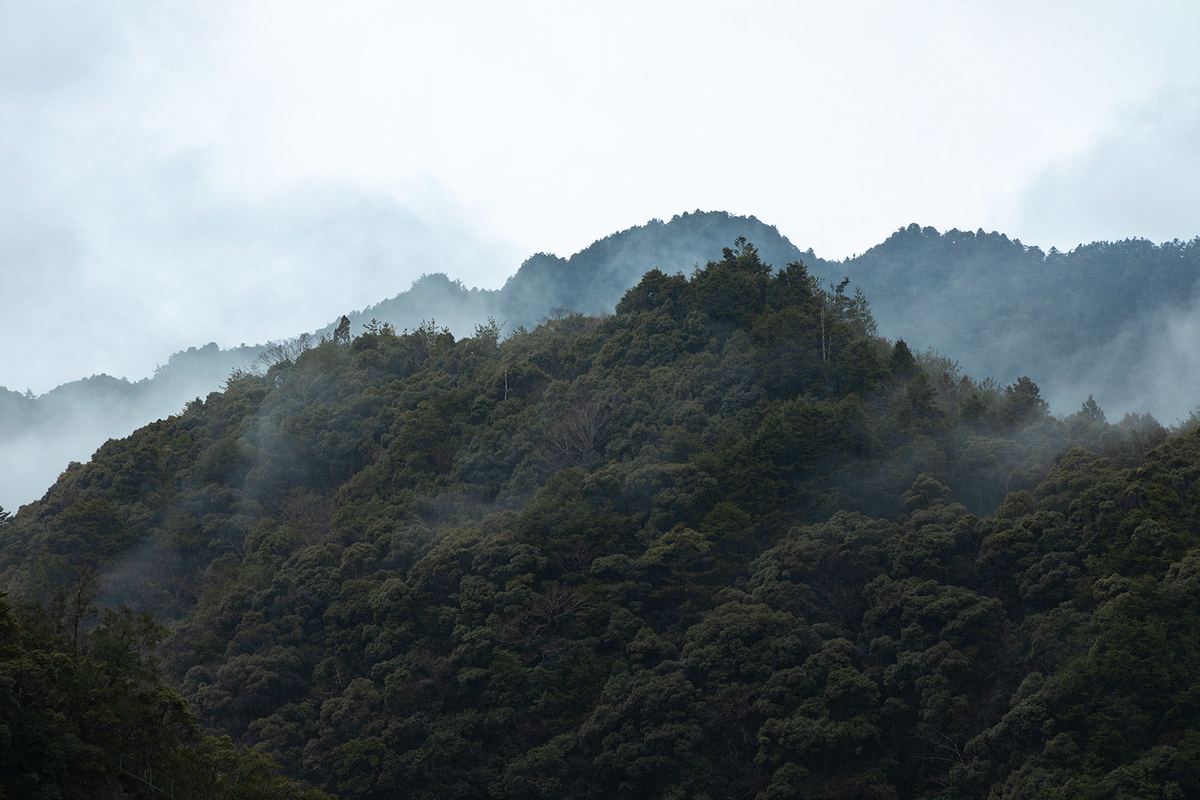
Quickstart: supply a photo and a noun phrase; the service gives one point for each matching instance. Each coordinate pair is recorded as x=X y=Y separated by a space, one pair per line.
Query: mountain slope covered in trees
x=1114 y=320
x=39 y=436
x=1117 y=320
x=590 y=282
x=727 y=542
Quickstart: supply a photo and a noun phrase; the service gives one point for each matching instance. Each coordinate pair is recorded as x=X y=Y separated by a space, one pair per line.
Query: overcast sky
x=176 y=173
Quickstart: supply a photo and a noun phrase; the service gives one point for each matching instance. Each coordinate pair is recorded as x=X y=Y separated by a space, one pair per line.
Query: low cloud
x=1151 y=364
x=1138 y=181
x=115 y=275
x=132 y=221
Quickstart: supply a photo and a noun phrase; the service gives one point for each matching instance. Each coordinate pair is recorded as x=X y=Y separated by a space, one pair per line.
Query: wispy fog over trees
x=41 y=435
x=1112 y=320
x=1116 y=320
x=727 y=541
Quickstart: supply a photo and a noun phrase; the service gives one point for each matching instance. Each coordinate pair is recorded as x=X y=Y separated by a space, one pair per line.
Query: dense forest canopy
x=727 y=541
x=1116 y=320
x=1113 y=319
x=39 y=435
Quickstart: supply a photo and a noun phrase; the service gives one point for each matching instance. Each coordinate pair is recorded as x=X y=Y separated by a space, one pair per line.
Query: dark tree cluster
x=727 y=542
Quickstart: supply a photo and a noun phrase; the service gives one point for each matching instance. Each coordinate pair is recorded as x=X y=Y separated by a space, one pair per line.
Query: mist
x=1112 y=320
x=1136 y=179
x=31 y=461
x=178 y=174
x=1115 y=322
x=1150 y=365
x=39 y=436
x=238 y=173
x=119 y=296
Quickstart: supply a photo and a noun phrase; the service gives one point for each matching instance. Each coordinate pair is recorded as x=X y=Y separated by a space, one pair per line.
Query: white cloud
x=1150 y=365
x=1139 y=180
x=175 y=173
x=183 y=264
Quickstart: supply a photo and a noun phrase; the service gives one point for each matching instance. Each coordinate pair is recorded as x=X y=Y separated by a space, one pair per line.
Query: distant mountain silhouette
x=589 y=282
x=39 y=436
x=1117 y=320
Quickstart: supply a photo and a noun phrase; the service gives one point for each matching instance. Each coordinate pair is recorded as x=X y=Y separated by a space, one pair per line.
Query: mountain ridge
x=1005 y=309
x=106 y=407
x=726 y=541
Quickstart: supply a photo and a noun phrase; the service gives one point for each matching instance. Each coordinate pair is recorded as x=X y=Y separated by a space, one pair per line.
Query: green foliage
x=726 y=542
x=1003 y=308
x=83 y=714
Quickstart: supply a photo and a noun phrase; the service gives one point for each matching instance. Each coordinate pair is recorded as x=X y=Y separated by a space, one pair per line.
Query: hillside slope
x=1117 y=320
x=726 y=542
x=1114 y=320
x=590 y=282
x=39 y=436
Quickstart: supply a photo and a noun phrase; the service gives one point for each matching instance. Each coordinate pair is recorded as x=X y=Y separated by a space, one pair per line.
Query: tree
x=735 y=288
x=902 y=363
x=285 y=351
x=572 y=436
x=1022 y=403
x=341 y=334
x=1091 y=411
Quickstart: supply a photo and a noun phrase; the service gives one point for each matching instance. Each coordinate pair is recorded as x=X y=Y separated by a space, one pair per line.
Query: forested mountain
x=84 y=712
x=590 y=282
x=39 y=436
x=1113 y=320
x=726 y=542
x=1118 y=320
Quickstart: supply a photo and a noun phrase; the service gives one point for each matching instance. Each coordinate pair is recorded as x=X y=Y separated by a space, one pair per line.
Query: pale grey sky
x=176 y=173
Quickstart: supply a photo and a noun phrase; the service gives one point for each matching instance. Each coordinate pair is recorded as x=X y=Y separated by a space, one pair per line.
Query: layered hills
x=1116 y=320
x=728 y=541
x=39 y=436
x=1111 y=320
